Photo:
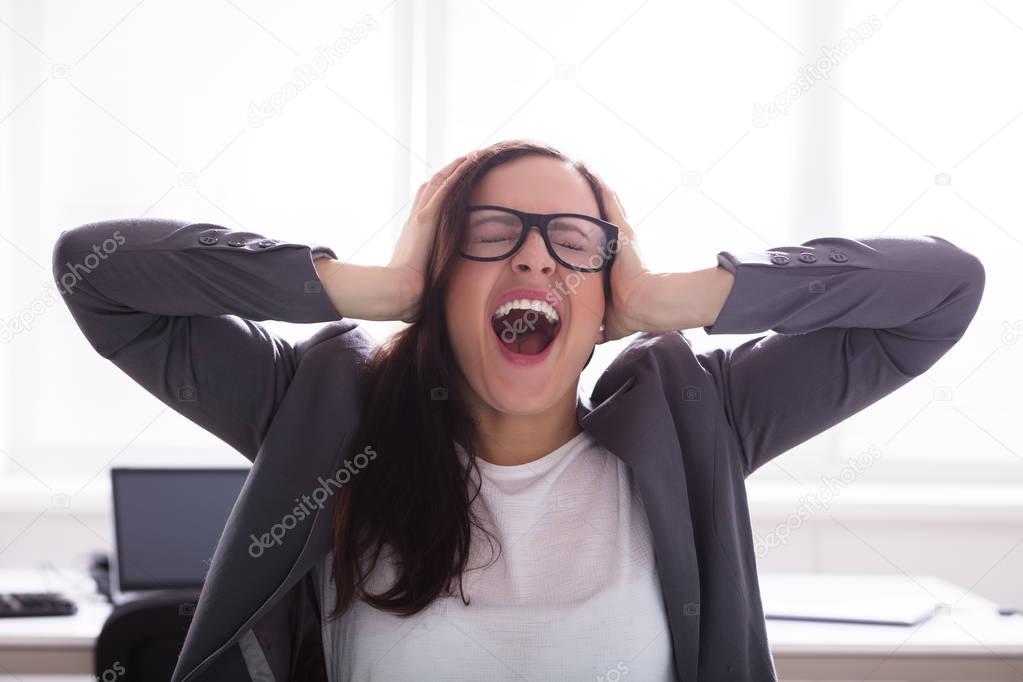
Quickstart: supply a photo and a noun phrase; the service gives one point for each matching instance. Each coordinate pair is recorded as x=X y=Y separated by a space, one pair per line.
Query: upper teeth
x=539 y=306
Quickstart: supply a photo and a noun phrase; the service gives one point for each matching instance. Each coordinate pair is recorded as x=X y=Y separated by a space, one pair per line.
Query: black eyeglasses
x=580 y=242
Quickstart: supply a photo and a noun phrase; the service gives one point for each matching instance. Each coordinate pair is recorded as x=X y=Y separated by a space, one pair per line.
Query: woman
x=445 y=506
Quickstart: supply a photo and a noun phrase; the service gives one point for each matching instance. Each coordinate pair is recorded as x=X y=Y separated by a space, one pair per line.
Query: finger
x=450 y=168
x=440 y=191
x=419 y=195
x=430 y=187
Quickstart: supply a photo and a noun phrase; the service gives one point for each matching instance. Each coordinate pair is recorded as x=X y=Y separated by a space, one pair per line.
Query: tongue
x=528 y=343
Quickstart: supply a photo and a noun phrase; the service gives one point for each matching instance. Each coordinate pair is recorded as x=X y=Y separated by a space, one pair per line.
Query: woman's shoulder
x=337 y=352
x=646 y=351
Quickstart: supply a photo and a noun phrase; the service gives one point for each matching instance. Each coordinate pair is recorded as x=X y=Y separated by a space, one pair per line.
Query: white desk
x=54 y=645
x=966 y=641
x=969 y=642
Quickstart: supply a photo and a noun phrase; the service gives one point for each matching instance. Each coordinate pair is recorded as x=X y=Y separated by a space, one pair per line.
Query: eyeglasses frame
x=541 y=221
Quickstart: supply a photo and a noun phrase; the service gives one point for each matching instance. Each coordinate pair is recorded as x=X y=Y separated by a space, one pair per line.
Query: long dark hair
x=413 y=500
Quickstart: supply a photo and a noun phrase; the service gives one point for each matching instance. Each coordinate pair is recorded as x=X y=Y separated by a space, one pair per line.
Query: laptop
x=167 y=523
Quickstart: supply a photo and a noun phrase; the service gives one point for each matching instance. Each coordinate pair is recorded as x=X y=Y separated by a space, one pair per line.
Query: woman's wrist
x=368 y=292
x=684 y=300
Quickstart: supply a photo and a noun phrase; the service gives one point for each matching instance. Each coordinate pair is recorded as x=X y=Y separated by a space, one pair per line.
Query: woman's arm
x=175 y=306
x=855 y=319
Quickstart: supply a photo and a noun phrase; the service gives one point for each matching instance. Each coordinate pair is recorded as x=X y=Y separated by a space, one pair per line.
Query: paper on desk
x=874 y=599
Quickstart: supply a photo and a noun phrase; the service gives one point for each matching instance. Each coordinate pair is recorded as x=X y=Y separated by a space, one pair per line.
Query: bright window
x=319 y=125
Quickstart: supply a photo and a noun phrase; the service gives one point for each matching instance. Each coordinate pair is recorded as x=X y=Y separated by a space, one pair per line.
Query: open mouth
x=526 y=326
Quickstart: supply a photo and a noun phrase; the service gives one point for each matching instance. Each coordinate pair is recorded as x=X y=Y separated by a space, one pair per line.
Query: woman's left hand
x=632 y=283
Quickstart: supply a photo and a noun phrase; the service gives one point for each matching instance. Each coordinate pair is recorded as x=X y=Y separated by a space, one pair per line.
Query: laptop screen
x=168 y=522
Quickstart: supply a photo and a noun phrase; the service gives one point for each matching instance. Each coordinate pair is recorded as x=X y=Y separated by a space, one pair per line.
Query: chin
x=522 y=383
x=523 y=400
x=520 y=389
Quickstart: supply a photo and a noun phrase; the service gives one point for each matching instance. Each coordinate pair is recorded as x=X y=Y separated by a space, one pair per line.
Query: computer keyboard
x=35 y=604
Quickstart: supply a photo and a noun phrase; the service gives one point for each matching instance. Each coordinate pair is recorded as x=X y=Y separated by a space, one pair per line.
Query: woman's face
x=498 y=354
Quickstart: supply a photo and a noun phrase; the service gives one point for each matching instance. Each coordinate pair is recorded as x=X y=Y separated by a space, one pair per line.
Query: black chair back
x=141 y=640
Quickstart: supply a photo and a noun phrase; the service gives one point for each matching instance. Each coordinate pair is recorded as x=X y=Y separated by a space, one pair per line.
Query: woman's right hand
x=411 y=252
x=393 y=291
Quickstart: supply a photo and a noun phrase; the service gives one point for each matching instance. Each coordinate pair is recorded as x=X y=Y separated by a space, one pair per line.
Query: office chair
x=141 y=640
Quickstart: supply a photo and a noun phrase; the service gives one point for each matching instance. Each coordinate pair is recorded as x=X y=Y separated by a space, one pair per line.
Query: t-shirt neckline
x=537 y=467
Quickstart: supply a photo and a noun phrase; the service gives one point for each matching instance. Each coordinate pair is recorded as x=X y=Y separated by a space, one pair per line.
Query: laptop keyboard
x=35 y=604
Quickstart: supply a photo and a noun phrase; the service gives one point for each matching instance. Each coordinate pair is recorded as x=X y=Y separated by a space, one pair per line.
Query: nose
x=533 y=255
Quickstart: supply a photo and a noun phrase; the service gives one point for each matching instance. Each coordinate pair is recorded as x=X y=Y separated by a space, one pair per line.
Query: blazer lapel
x=635 y=424
x=251 y=576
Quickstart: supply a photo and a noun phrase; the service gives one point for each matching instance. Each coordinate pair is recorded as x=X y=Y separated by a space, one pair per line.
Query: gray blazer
x=176 y=305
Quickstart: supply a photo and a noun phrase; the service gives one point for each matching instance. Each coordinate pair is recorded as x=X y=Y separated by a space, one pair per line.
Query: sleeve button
x=266 y=243
x=839 y=257
x=807 y=257
x=779 y=259
x=208 y=239
x=236 y=242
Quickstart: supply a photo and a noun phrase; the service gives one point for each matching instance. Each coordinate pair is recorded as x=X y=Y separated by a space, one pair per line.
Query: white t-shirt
x=573 y=595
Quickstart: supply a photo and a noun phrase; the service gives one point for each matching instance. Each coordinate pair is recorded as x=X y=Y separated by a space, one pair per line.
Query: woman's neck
x=510 y=439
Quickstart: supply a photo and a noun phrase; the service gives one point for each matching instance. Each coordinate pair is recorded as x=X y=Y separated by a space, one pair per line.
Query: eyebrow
x=504 y=217
x=554 y=225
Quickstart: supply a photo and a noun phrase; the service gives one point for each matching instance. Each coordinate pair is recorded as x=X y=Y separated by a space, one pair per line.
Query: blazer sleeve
x=177 y=305
x=849 y=321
